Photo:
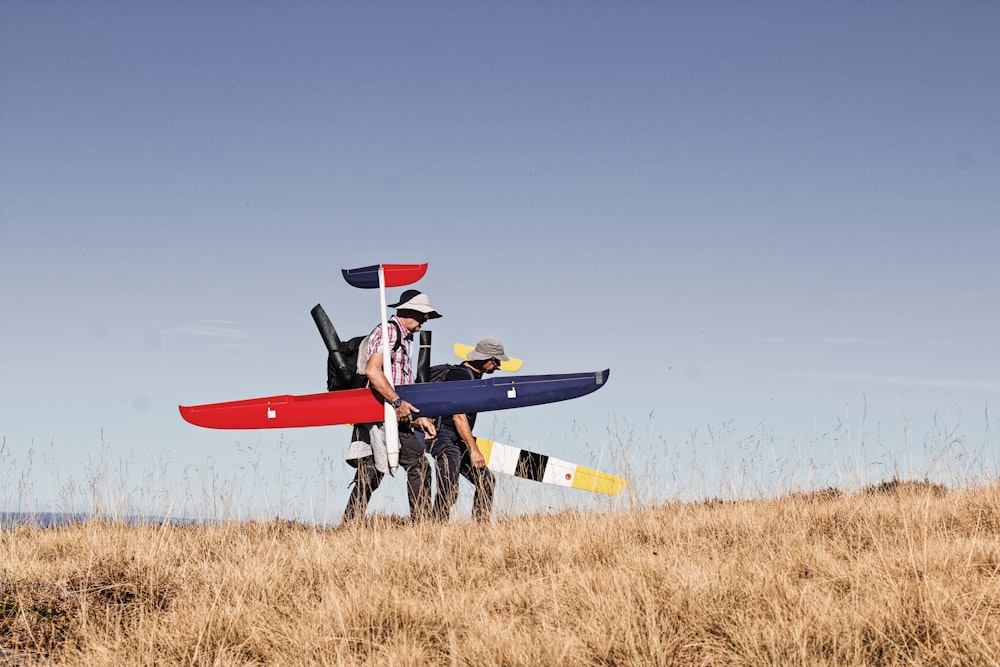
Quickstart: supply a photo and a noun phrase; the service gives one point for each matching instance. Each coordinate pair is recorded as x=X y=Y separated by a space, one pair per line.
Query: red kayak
x=288 y=411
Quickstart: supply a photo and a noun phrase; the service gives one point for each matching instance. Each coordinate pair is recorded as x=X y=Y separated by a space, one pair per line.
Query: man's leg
x=418 y=475
x=448 y=458
x=482 y=503
x=366 y=480
x=484 y=482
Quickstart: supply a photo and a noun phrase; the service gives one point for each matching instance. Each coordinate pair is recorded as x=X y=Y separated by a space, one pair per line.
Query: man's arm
x=405 y=412
x=465 y=433
x=380 y=383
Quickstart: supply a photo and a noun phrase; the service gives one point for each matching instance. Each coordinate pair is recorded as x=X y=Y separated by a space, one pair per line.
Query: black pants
x=418 y=478
x=453 y=459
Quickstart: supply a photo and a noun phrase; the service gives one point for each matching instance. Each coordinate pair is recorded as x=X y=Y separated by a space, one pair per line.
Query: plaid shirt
x=402 y=366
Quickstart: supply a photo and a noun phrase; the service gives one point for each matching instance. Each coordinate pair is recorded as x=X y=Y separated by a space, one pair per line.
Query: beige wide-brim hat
x=416 y=300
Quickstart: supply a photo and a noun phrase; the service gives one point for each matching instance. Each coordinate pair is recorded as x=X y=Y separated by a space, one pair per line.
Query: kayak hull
x=434 y=399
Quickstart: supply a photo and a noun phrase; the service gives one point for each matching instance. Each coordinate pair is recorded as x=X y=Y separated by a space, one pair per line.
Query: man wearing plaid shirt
x=368 y=447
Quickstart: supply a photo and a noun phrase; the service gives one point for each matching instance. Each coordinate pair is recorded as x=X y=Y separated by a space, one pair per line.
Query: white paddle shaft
x=391 y=427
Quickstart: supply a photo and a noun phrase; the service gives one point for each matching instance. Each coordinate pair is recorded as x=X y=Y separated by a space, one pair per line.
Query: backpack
x=439 y=372
x=353 y=362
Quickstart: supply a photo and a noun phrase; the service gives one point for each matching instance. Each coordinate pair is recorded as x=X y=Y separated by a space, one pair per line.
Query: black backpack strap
x=399 y=335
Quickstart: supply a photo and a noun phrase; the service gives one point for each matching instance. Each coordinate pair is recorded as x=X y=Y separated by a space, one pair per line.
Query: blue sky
x=775 y=222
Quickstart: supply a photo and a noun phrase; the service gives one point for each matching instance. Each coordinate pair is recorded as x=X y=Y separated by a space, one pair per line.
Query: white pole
x=391 y=427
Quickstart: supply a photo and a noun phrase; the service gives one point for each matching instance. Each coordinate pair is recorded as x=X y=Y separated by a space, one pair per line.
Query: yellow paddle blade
x=511 y=365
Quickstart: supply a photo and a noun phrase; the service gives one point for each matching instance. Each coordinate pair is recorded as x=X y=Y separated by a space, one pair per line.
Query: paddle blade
x=511 y=365
x=396 y=275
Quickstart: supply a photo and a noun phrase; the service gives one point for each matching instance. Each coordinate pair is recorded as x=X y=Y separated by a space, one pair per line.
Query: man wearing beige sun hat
x=454 y=447
x=368 y=452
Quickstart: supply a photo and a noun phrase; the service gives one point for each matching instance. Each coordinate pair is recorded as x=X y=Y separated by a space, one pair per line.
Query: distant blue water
x=57 y=519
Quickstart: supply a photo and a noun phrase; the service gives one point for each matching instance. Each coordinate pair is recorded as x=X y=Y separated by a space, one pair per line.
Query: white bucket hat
x=416 y=300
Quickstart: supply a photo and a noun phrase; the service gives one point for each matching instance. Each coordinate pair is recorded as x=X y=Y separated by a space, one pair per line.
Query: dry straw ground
x=902 y=574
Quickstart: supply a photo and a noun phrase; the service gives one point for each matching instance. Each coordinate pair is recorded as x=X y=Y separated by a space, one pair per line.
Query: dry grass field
x=899 y=574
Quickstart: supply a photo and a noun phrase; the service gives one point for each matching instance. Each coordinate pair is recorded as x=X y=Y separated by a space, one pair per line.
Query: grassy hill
x=901 y=573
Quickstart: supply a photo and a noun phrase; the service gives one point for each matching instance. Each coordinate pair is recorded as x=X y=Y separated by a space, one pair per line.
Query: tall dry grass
x=900 y=574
